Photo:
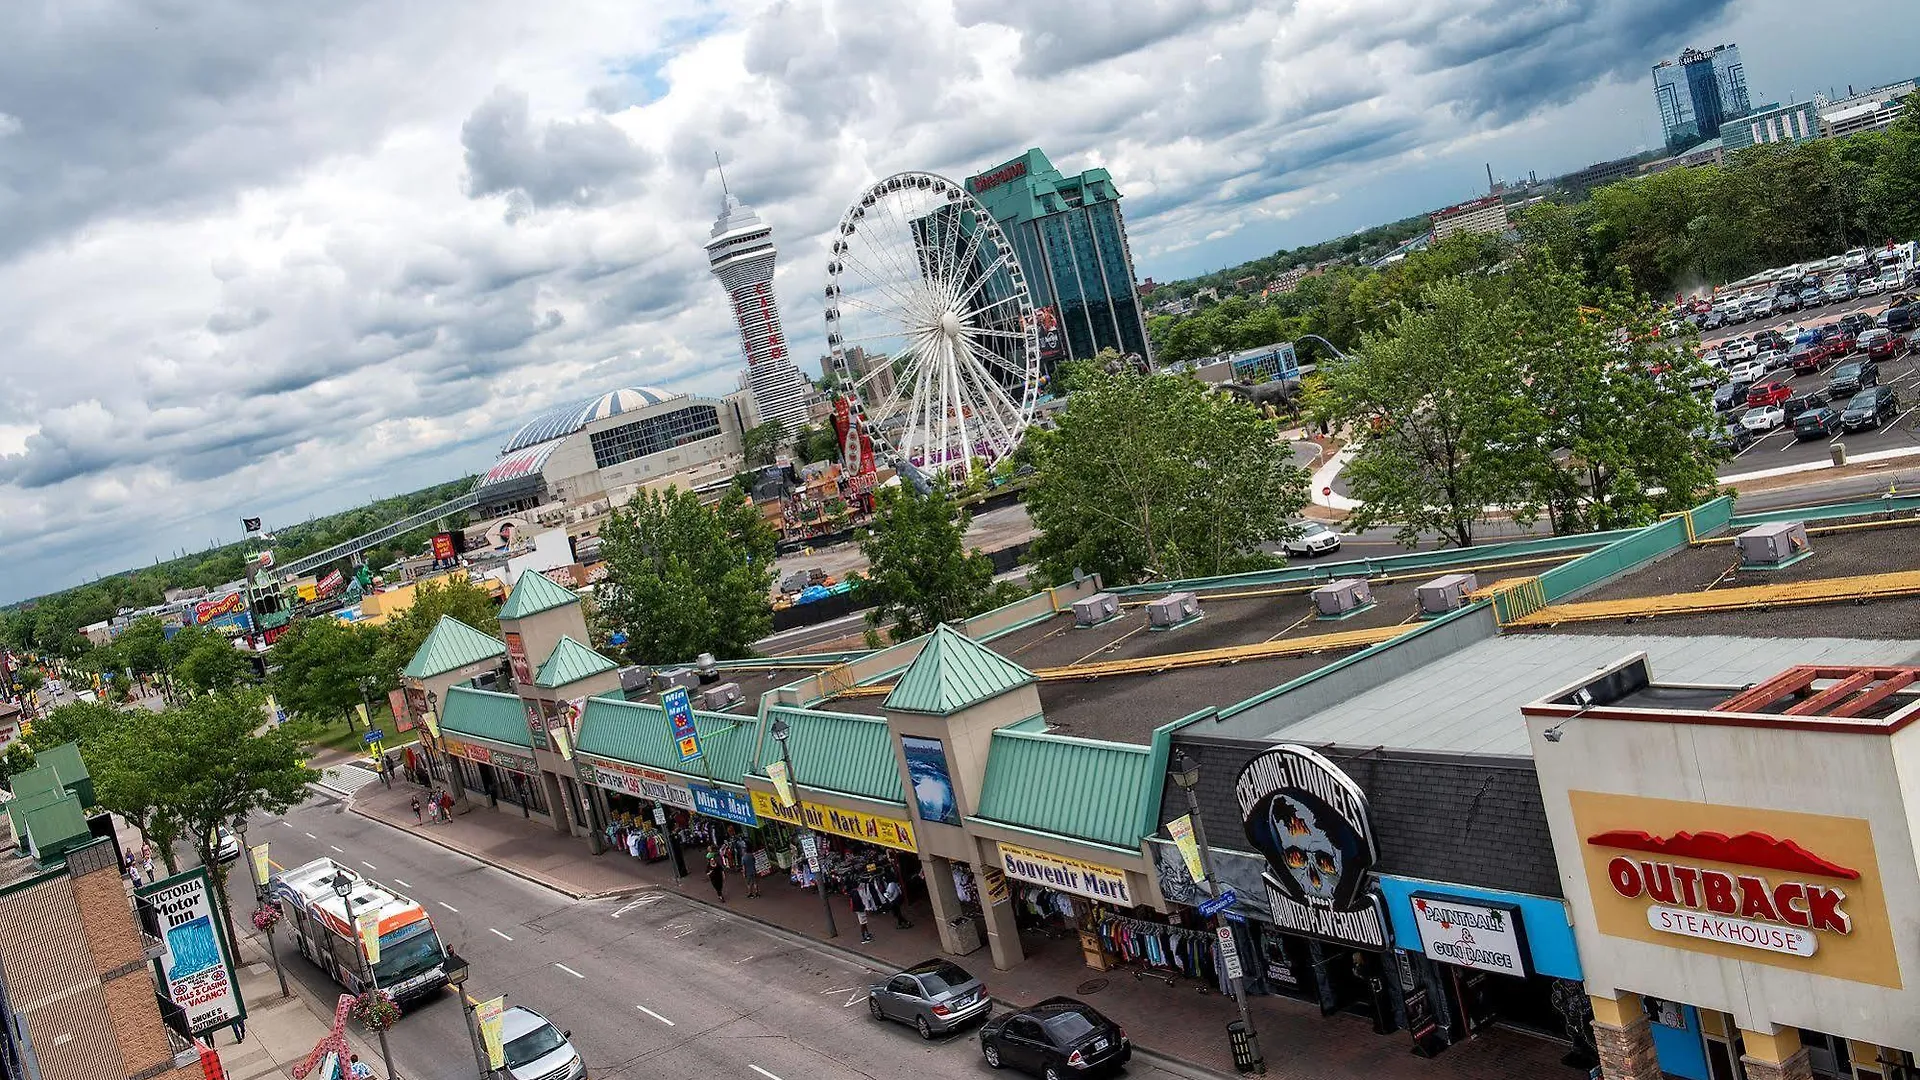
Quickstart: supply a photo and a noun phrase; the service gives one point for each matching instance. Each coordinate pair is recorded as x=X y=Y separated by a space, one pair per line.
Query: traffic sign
x=374 y=736
x=1217 y=904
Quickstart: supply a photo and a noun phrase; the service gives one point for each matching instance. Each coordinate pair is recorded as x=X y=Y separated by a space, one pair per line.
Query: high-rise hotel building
x=741 y=254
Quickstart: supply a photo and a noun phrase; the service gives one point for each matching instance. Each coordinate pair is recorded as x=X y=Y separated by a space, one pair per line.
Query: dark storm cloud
x=563 y=162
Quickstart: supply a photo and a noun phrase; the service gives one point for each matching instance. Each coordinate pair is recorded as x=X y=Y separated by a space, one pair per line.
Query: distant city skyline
x=329 y=254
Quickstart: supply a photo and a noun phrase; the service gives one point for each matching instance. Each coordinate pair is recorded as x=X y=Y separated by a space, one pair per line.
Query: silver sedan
x=934 y=996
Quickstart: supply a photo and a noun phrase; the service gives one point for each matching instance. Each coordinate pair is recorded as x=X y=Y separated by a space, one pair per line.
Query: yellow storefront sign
x=886 y=832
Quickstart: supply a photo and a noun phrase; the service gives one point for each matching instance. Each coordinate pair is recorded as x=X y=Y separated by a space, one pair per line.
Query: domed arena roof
x=566 y=419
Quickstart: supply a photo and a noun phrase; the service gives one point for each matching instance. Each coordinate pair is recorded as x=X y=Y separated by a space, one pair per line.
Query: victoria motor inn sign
x=1786 y=889
x=1310 y=821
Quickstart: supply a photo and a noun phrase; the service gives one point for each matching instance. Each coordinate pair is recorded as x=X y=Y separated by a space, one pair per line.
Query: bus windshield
x=411 y=950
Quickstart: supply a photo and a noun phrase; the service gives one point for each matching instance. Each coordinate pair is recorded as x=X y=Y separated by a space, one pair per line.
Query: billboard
x=1046 y=324
x=219 y=607
x=443 y=547
x=196 y=962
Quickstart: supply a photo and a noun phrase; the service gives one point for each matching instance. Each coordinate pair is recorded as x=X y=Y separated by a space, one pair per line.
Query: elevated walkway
x=309 y=563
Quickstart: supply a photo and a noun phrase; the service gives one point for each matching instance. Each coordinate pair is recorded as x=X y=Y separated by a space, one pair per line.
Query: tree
x=763 y=442
x=30 y=679
x=1445 y=435
x=683 y=578
x=211 y=764
x=209 y=663
x=126 y=782
x=919 y=568
x=1156 y=474
x=321 y=665
x=816 y=443
x=402 y=637
x=143 y=646
x=82 y=722
x=17 y=759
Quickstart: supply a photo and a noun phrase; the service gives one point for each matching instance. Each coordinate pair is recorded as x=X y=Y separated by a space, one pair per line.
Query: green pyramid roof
x=534 y=593
x=452 y=645
x=953 y=672
x=570 y=662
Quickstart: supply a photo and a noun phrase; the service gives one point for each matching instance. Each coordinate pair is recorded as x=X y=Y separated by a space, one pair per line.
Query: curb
x=1176 y=1066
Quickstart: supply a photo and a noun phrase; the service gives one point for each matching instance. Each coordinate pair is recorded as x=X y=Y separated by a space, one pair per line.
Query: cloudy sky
x=276 y=259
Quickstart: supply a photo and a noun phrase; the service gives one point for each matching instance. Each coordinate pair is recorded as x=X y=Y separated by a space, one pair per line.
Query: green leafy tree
x=17 y=759
x=1445 y=437
x=321 y=665
x=211 y=664
x=919 y=567
x=83 y=722
x=402 y=637
x=762 y=443
x=30 y=679
x=1155 y=474
x=683 y=578
x=143 y=646
x=126 y=781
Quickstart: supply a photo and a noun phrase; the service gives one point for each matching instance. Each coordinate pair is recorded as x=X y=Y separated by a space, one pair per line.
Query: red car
x=1839 y=343
x=1885 y=346
x=1771 y=392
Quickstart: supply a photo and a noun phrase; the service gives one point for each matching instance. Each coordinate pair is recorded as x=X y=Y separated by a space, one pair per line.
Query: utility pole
x=1186 y=774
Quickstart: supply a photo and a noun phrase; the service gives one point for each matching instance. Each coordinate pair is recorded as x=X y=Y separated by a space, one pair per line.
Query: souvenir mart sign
x=886 y=832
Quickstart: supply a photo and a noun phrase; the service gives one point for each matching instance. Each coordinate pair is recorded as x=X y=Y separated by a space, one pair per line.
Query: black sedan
x=1058 y=1038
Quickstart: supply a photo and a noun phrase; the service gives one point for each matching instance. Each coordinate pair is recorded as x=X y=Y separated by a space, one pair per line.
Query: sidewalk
x=1184 y=1021
x=281 y=1032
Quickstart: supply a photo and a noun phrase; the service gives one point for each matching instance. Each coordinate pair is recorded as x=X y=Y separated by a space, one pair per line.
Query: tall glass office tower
x=1072 y=242
x=1698 y=93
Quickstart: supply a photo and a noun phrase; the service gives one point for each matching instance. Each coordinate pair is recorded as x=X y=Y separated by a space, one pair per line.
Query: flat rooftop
x=1858 y=547
x=1468 y=701
x=1127 y=707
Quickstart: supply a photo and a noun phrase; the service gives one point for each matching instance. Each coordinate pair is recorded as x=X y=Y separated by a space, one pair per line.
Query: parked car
x=1840 y=290
x=1770 y=392
x=1747 y=371
x=1801 y=402
x=1760 y=308
x=1763 y=419
x=934 y=996
x=1714 y=319
x=1870 y=408
x=1771 y=359
x=1729 y=439
x=535 y=1049
x=1896 y=320
x=1851 y=378
x=1840 y=342
x=1743 y=347
x=1869 y=286
x=1891 y=279
x=1816 y=423
x=1772 y=339
x=1786 y=300
x=1806 y=359
x=1856 y=321
x=1858 y=258
x=1312 y=539
x=1057 y=1038
x=1731 y=396
x=1812 y=297
x=1885 y=345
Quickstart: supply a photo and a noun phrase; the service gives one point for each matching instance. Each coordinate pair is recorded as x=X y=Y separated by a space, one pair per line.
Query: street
x=651 y=985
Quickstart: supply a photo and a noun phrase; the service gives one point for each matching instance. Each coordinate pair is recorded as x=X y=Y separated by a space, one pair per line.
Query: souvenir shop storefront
x=655 y=815
x=503 y=776
x=861 y=851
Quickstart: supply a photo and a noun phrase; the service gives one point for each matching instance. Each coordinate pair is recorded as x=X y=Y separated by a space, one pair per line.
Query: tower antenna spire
x=723 y=173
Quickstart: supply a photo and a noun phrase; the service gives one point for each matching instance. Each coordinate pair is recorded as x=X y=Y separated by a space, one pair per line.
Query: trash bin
x=1245 y=1059
x=966 y=934
x=1839 y=452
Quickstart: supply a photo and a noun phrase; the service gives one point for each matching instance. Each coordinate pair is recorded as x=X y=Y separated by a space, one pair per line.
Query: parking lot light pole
x=1186 y=774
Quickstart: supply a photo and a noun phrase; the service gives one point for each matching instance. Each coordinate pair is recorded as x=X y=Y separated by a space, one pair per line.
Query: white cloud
x=326 y=252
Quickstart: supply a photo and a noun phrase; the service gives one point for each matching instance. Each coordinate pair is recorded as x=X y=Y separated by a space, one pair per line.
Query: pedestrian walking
x=891 y=899
x=147 y=866
x=716 y=876
x=359 y=1070
x=415 y=803
x=446 y=805
x=433 y=807
x=860 y=916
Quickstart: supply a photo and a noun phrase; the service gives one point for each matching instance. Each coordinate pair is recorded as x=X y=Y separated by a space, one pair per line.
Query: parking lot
x=1780 y=448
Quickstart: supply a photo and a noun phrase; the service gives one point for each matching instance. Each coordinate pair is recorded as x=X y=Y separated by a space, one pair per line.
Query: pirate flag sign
x=1310 y=821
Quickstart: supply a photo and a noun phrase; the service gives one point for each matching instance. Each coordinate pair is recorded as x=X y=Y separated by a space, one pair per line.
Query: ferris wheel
x=931 y=326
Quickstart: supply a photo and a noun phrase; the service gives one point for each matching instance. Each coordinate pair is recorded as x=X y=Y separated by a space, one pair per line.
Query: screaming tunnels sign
x=1768 y=886
x=1310 y=821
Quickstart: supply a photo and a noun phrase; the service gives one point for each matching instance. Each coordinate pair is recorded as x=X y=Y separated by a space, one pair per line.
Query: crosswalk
x=346 y=779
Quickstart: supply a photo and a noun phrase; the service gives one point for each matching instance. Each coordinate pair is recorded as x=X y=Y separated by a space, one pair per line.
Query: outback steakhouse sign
x=1787 y=889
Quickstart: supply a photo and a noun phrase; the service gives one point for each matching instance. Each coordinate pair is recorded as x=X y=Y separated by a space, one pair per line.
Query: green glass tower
x=1072 y=242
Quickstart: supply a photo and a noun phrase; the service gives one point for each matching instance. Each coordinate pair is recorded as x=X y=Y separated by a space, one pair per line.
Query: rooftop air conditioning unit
x=1172 y=610
x=1343 y=597
x=1774 y=544
x=1095 y=609
x=684 y=677
x=1444 y=594
x=724 y=696
x=635 y=677
x=709 y=670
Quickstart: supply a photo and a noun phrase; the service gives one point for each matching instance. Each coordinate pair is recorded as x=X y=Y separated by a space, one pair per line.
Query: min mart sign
x=1799 y=891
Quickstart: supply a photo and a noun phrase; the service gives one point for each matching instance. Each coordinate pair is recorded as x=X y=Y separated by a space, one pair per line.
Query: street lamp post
x=342 y=888
x=1186 y=774
x=457 y=978
x=779 y=733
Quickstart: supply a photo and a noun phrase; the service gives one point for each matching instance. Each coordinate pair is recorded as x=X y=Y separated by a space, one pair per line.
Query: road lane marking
x=448 y=906
x=336 y=849
x=288 y=824
x=310 y=836
x=743 y=960
x=854 y=998
x=402 y=883
x=642 y=902
x=655 y=1015
x=762 y=1071
x=368 y=865
x=498 y=934
x=842 y=990
x=569 y=971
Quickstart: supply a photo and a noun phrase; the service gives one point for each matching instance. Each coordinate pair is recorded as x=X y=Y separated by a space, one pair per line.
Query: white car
x=1770 y=359
x=1312 y=539
x=1870 y=286
x=535 y=1049
x=1740 y=348
x=1747 y=371
x=1890 y=281
x=1764 y=418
